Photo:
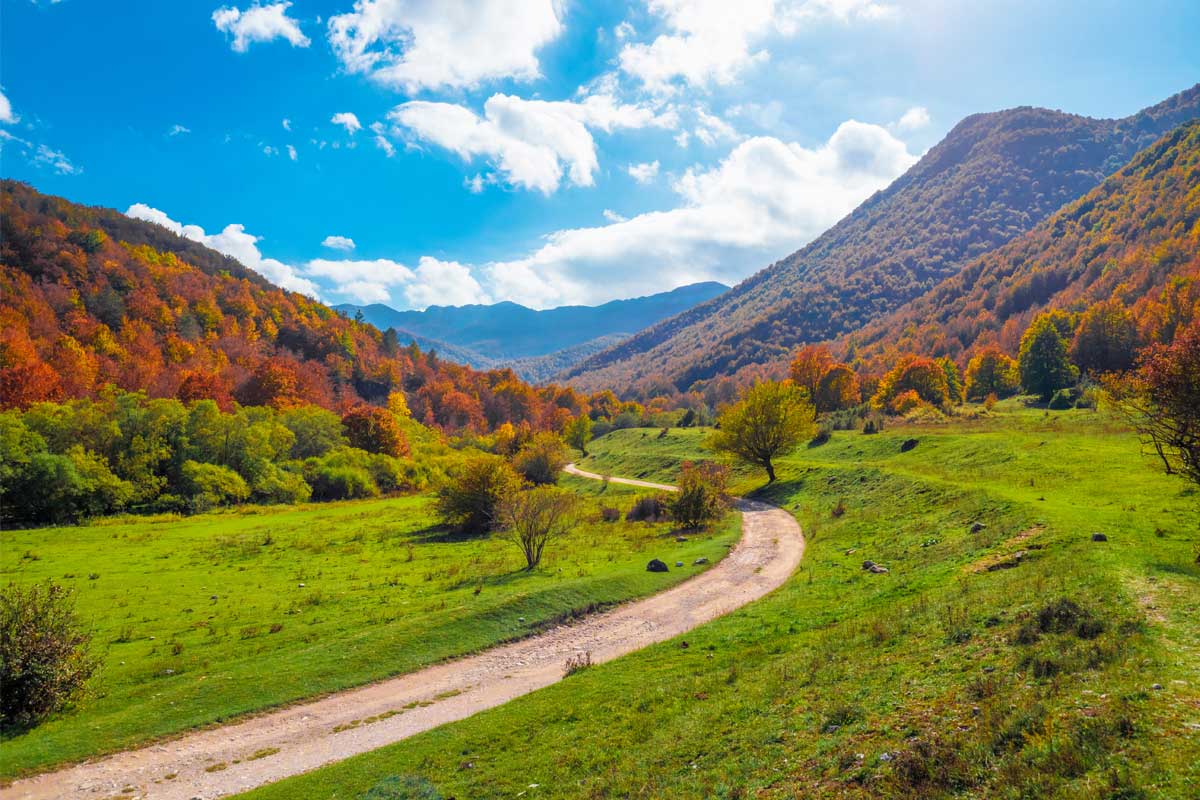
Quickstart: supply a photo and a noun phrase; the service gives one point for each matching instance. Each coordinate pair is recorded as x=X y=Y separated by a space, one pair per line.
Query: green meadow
x=1004 y=654
x=200 y=619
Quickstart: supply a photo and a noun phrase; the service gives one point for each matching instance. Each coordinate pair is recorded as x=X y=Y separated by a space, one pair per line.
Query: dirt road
x=274 y=745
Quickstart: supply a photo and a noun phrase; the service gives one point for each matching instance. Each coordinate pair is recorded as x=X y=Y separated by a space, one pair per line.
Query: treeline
x=62 y=462
x=93 y=298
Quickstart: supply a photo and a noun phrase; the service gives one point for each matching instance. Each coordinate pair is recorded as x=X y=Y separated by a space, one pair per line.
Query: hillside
x=504 y=331
x=1134 y=239
x=993 y=177
x=92 y=297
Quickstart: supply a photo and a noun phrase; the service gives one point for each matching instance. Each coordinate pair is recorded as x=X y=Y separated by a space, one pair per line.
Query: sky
x=547 y=152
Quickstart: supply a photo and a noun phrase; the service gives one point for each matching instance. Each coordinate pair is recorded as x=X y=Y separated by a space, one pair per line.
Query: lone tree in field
x=533 y=518
x=1162 y=400
x=578 y=432
x=702 y=497
x=771 y=420
x=44 y=658
x=1045 y=367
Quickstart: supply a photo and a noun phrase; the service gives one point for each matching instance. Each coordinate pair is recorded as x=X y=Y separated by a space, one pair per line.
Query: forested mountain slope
x=92 y=297
x=994 y=177
x=1135 y=240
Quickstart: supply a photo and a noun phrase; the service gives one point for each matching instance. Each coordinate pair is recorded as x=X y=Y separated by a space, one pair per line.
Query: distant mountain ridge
x=992 y=178
x=508 y=333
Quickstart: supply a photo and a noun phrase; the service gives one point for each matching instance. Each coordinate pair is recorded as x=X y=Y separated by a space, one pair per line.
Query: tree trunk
x=770 y=472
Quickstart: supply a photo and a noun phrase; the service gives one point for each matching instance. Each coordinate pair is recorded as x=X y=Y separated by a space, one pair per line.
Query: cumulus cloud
x=446 y=283
x=711 y=42
x=613 y=216
x=530 y=142
x=7 y=117
x=430 y=44
x=338 y=242
x=711 y=129
x=259 y=24
x=348 y=121
x=644 y=173
x=766 y=199
x=235 y=242
x=914 y=119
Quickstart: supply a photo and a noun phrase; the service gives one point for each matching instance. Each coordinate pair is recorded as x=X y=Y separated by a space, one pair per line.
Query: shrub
x=1061 y=401
x=923 y=376
x=652 y=508
x=702 y=497
x=609 y=514
x=874 y=424
x=210 y=485
x=905 y=402
x=340 y=482
x=533 y=518
x=282 y=487
x=375 y=430
x=44 y=658
x=822 y=437
x=408 y=787
x=542 y=459
x=470 y=498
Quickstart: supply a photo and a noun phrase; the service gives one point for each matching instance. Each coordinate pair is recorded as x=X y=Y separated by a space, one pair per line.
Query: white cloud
x=914 y=119
x=711 y=129
x=7 y=116
x=764 y=200
x=445 y=283
x=177 y=129
x=287 y=124
x=644 y=173
x=530 y=142
x=233 y=241
x=613 y=216
x=56 y=160
x=259 y=24
x=338 y=242
x=269 y=151
x=711 y=42
x=682 y=138
x=381 y=141
x=292 y=153
x=348 y=121
x=430 y=44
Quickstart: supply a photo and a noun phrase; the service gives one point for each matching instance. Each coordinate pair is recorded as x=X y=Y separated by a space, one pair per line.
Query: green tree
x=990 y=371
x=209 y=485
x=317 y=430
x=1106 y=340
x=578 y=432
x=954 y=384
x=470 y=498
x=1043 y=362
x=541 y=460
x=702 y=496
x=772 y=419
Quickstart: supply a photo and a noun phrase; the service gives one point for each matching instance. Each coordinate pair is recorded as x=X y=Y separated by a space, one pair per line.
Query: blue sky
x=420 y=152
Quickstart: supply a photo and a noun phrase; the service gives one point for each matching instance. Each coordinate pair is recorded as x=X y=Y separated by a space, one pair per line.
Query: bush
x=210 y=485
x=375 y=430
x=874 y=424
x=823 y=436
x=340 y=482
x=702 y=497
x=609 y=514
x=648 y=509
x=905 y=402
x=281 y=487
x=44 y=658
x=406 y=788
x=470 y=499
x=542 y=459
x=1062 y=400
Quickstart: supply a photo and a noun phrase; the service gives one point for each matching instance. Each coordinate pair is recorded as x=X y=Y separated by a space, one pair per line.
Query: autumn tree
x=990 y=372
x=531 y=519
x=702 y=495
x=923 y=376
x=838 y=389
x=1106 y=339
x=375 y=430
x=771 y=420
x=809 y=365
x=1162 y=399
x=1043 y=362
x=954 y=384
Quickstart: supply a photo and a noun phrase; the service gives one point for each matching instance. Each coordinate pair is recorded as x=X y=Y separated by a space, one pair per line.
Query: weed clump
x=649 y=509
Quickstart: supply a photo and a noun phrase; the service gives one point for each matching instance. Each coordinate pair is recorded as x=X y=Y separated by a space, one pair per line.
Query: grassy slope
x=913 y=683
x=203 y=618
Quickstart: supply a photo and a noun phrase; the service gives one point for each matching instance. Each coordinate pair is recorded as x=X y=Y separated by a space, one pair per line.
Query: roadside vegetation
x=1004 y=650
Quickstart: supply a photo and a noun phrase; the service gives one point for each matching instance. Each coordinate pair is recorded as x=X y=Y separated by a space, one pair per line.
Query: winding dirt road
x=265 y=748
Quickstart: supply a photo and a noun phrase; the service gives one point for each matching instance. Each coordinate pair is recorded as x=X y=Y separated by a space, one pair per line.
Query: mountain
x=506 y=331
x=1135 y=240
x=992 y=178
x=92 y=298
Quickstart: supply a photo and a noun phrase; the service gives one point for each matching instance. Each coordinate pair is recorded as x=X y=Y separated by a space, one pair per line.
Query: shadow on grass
x=777 y=492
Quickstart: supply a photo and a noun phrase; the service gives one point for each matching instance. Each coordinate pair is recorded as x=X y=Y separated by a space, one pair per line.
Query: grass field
x=203 y=618
x=1071 y=669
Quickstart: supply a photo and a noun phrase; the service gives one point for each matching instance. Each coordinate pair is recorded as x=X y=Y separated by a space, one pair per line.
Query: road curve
x=269 y=747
